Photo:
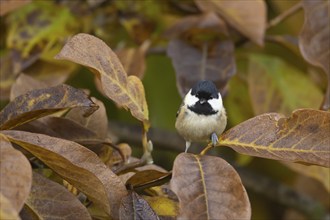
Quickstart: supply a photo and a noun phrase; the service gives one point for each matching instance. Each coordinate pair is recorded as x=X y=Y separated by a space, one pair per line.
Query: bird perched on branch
x=201 y=116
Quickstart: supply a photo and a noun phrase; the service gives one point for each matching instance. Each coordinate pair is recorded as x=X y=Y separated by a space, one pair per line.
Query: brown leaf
x=15 y=175
x=77 y=165
x=96 y=122
x=187 y=27
x=302 y=137
x=208 y=188
x=57 y=202
x=65 y=129
x=192 y=65
x=133 y=59
x=7 y=211
x=23 y=84
x=147 y=178
x=135 y=207
x=95 y=54
x=314 y=39
x=8 y=6
x=11 y=65
x=38 y=103
x=53 y=72
x=247 y=17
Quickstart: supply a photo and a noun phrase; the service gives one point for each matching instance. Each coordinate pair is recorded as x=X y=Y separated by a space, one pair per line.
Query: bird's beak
x=202 y=101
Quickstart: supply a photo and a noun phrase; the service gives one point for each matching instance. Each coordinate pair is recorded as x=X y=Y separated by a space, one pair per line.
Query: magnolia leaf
x=133 y=59
x=92 y=52
x=8 y=6
x=7 y=211
x=247 y=17
x=52 y=72
x=302 y=137
x=77 y=165
x=206 y=24
x=56 y=201
x=322 y=174
x=38 y=103
x=23 y=84
x=96 y=122
x=147 y=178
x=192 y=65
x=11 y=65
x=40 y=24
x=314 y=39
x=275 y=86
x=208 y=188
x=163 y=206
x=135 y=207
x=62 y=128
x=15 y=175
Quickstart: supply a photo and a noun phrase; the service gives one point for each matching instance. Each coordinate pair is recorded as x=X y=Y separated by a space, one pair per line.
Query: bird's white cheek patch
x=216 y=103
x=190 y=100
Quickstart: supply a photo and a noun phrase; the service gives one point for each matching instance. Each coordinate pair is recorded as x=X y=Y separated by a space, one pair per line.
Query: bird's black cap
x=205 y=89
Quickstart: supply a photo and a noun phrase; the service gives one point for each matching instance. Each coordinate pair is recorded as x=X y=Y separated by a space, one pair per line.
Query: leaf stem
x=275 y=21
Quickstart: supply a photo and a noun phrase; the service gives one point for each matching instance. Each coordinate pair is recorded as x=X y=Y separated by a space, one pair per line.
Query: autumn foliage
x=59 y=156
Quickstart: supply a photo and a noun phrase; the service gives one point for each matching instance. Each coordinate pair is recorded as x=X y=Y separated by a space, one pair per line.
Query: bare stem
x=285 y=15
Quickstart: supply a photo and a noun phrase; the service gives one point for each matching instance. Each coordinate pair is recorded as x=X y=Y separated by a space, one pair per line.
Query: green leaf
x=275 y=86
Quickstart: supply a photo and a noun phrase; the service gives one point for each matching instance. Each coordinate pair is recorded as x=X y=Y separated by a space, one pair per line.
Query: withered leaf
x=314 y=39
x=208 y=188
x=62 y=128
x=247 y=17
x=302 y=137
x=15 y=174
x=133 y=59
x=192 y=65
x=57 y=202
x=7 y=211
x=23 y=84
x=11 y=65
x=276 y=86
x=77 y=165
x=135 y=207
x=96 y=122
x=163 y=206
x=92 y=52
x=38 y=103
x=187 y=27
x=147 y=178
x=8 y=6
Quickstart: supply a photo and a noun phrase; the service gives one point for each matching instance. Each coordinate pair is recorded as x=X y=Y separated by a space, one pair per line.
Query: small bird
x=201 y=116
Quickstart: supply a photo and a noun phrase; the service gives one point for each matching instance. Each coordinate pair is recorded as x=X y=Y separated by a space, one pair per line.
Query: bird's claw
x=214 y=139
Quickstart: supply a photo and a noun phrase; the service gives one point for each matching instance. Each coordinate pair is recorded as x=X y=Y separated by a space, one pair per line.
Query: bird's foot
x=187 y=146
x=214 y=139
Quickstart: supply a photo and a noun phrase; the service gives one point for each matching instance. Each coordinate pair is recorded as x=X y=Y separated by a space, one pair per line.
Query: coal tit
x=201 y=116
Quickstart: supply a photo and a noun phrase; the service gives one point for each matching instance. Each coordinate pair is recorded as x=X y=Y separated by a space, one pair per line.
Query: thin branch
x=275 y=21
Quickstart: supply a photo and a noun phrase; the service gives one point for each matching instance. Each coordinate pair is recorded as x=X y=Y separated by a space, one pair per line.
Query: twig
x=270 y=188
x=275 y=21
